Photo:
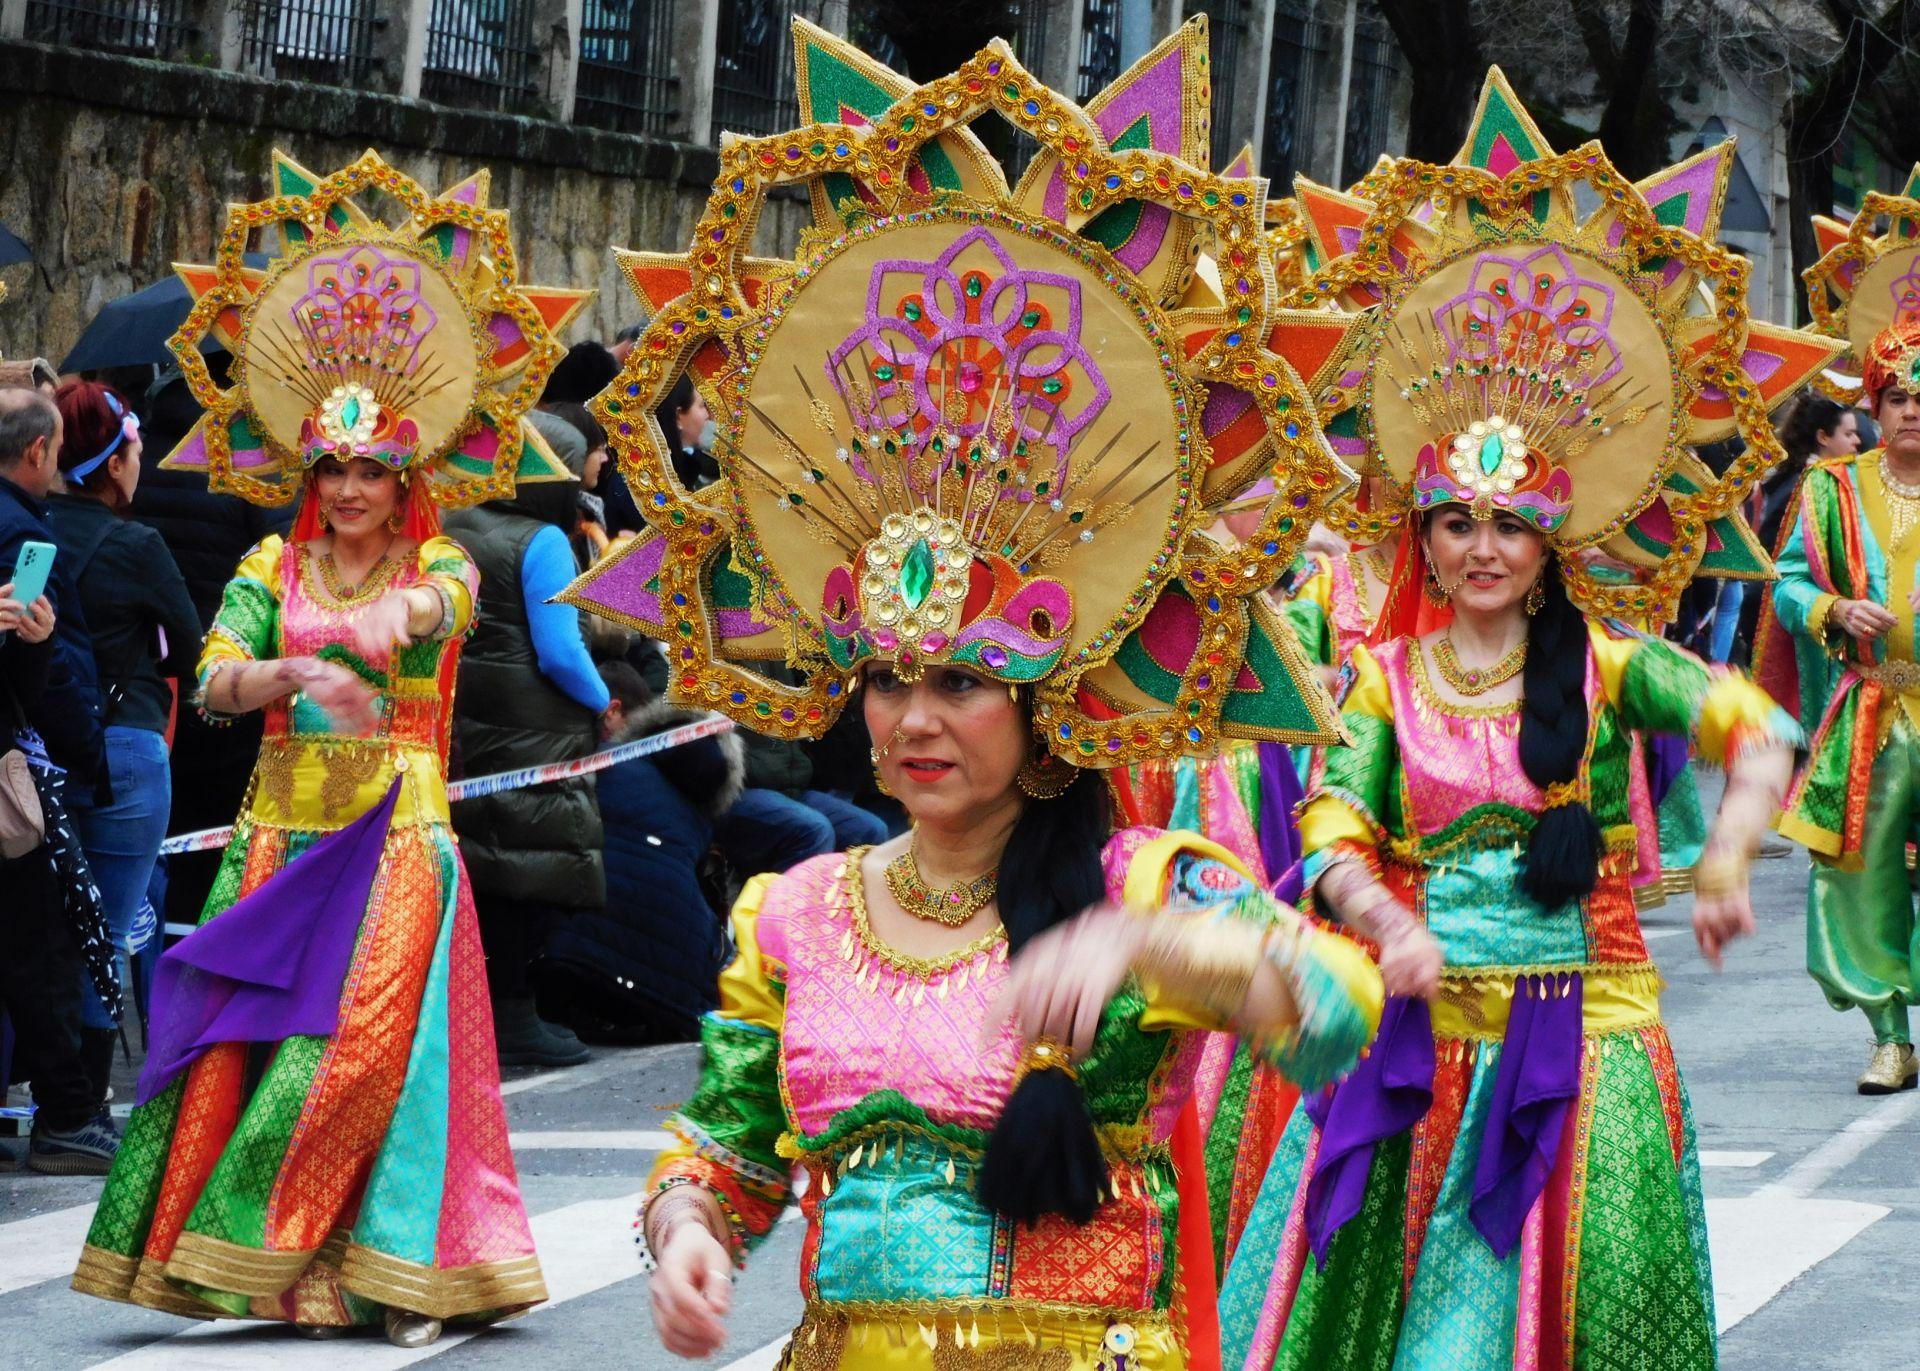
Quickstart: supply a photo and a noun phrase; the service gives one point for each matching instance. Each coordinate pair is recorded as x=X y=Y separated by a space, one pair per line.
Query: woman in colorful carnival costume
x=319 y=1136
x=985 y=415
x=1510 y=1177
x=1840 y=646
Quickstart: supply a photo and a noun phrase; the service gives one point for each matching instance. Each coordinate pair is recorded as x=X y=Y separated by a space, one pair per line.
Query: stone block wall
x=113 y=168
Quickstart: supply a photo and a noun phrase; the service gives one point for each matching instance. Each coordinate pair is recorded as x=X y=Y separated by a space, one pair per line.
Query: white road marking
x=642 y=1141
x=1843 y=1149
x=43 y=1247
x=1654 y=935
x=583 y=1248
x=1762 y=1243
x=1746 y=1160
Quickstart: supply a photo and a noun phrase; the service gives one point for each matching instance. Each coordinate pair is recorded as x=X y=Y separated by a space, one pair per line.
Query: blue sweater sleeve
x=546 y=569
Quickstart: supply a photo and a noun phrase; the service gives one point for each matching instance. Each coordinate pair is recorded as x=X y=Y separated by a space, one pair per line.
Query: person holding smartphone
x=51 y=931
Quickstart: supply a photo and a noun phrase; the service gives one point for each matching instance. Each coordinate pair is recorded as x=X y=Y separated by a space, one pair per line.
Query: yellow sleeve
x=244 y=628
x=446 y=563
x=727 y=1136
x=1335 y=987
x=1659 y=687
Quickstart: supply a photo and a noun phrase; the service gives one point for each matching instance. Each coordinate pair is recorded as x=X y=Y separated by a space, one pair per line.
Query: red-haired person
x=145 y=630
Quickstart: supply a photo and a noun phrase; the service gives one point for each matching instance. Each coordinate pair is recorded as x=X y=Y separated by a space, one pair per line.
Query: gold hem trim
x=234 y=1267
x=152 y=1290
x=442 y=1294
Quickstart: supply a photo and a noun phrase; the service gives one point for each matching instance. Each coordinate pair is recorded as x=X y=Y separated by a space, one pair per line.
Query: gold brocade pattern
x=357 y=1083
x=348 y=768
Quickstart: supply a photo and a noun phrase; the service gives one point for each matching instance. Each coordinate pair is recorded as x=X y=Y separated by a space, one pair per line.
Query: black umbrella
x=133 y=330
x=12 y=249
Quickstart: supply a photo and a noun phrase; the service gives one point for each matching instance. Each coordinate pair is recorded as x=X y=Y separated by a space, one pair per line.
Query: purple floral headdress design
x=1513 y=375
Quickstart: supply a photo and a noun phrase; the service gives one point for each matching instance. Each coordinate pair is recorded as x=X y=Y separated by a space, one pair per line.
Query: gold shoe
x=1892 y=1067
x=407 y=1329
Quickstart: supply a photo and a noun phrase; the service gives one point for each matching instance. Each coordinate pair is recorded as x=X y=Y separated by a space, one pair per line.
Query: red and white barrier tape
x=476 y=786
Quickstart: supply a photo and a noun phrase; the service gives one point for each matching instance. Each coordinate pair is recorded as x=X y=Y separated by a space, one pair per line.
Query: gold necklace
x=1476 y=680
x=952 y=905
x=336 y=584
x=1903 y=503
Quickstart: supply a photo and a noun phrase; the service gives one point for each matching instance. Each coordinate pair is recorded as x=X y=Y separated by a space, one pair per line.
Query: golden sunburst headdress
x=1532 y=355
x=976 y=424
x=1865 y=290
x=413 y=343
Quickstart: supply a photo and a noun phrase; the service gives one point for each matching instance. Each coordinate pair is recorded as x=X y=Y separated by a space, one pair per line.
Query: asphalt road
x=1813 y=1200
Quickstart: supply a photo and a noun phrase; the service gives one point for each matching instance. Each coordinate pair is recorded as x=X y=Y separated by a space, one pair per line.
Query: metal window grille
x=1299 y=47
x=626 y=79
x=1099 y=46
x=753 y=67
x=480 y=53
x=153 y=28
x=1376 y=64
x=328 y=41
x=1228 y=24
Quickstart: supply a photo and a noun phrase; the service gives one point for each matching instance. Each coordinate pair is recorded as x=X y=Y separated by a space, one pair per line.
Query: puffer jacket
x=650 y=961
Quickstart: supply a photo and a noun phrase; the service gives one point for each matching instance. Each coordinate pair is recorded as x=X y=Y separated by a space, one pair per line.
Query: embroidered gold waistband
x=1896 y=675
x=327 y=783
x=1614 y=999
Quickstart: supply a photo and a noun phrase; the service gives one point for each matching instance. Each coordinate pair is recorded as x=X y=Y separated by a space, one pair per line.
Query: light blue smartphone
x=31 y=571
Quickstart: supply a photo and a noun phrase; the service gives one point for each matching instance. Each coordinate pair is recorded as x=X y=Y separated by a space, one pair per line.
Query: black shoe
x=84 y=1151
x=523 y=1040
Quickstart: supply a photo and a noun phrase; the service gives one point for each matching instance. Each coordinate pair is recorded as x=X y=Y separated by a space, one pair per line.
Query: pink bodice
x=860 y=1019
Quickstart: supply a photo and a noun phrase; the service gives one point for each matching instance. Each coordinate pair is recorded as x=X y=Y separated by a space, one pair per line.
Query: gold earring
x=1536 y=595
x=396 y=520
x=879 y=781
x=1436 y=592
x=1043 y=776
x=321 y=519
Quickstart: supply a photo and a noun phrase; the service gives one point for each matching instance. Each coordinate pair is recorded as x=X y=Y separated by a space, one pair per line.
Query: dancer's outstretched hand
x=1061 y=980
x=692 y=1292
x=1719 y=919
x=347 y=700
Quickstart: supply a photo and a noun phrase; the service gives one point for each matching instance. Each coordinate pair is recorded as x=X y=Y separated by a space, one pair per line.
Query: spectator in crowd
x=648 y=964
x=593 y=539
x=528 y=694
x=688 y=426
x=624 y=340
x=780 y=819
x=207 y=533
x=46 y=935
x=586 y=370
x=145 y=628
x=1814 y=430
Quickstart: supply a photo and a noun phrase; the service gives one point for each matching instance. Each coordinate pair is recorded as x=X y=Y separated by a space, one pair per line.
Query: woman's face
x=1843 y=440
x=691 y=420
x=1489 y=565
x=358 y=497
x=123 y=471
x=950 y=743
x=596 y=463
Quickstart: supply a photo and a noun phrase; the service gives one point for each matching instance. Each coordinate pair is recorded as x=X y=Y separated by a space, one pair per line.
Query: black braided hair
x=1043 y=1157
x=1563 y=856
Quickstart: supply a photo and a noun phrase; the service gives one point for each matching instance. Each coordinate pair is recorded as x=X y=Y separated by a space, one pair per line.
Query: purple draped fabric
x=1280 y=792
x=1386 y=1095
x=1666 y=759
x=1536 y=1083
x=269 y=967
